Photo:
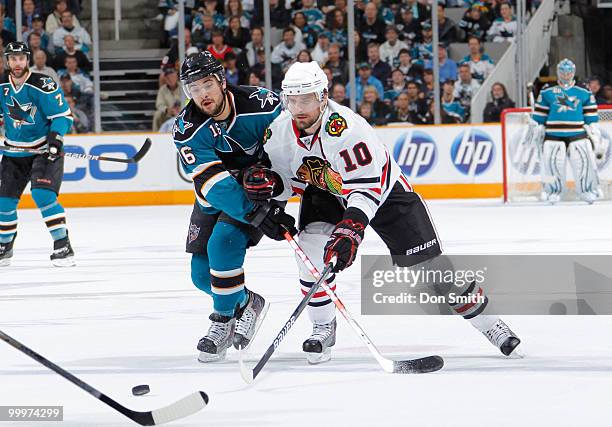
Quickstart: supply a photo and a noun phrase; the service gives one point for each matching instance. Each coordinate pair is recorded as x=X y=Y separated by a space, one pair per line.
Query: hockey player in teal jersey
x=567 y=123
x=218 y=135
x=35 y=116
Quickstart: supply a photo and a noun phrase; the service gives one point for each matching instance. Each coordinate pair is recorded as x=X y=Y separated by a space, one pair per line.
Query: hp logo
x=472 y=152
x=415 y=152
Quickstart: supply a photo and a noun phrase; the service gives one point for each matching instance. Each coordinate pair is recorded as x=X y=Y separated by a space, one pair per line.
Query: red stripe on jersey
x=297 y=190
x=405 y=181
x=350 y=190
x=466 y=307
x=383 y=178
x=320 y=293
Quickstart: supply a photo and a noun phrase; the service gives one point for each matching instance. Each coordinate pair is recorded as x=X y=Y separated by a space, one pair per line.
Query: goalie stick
x=137 y=157
x=182 y=408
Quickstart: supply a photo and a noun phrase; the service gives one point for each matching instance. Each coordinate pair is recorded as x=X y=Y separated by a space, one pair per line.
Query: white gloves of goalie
x=599 y=145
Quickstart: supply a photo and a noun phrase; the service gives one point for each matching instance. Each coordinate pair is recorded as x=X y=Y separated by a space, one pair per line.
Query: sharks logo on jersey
x=48 y=83
x=264 y=96
x=21 y=114
x=566 y=102
x=181 y=125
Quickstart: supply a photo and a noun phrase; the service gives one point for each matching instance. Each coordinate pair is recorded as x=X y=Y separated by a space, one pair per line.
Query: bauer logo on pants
x=472 y=152
x=415 y=152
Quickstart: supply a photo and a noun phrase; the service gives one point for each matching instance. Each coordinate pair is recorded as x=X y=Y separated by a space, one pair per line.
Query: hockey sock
x=321 y=308
x=8 y=218
x=226 y=250
x=200 y=273
x=52 y=212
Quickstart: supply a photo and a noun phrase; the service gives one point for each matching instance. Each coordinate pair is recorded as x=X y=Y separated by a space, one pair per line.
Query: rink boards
x=446 y=161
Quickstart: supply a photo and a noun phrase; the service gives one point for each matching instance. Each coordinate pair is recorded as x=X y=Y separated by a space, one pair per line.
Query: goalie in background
x=566 y=126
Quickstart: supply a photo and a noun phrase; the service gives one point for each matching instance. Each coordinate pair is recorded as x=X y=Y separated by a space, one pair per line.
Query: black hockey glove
x=345 y=239
x=271 y=220
x=55 y=144
x=261 y=184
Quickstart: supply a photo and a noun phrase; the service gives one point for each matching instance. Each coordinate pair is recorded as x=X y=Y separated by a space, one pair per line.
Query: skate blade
x=258 y=323
x=211 y=358
x=316 y=358
x=64 y=262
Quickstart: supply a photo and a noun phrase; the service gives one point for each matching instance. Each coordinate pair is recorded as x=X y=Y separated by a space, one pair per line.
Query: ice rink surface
x=128 y=314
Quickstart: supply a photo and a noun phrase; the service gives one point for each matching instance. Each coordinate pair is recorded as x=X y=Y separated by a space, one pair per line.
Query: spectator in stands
x=448 y=67
x=365 y=79
x=81 y=36
x=202 y=28
x=361 y=49
x=607 y=90
x=390 y=49
x=40 y=65
x=219 y=48
x=70 y=49
x=499 y=102
x=236 y=36
x=411 y=71
x=448 y=32
x=417 y=102
x=338 y=94
x=336 y=64
x=465 y=88
x=54 y=20
x=78 y=77
x=303 y=56
x=304 y=33
x=37 y=28
x=320 y=51
x=419 y=10
x=234 y=8
x=365 y=110
x=427 y=116
x=5 y=34
x=474 y=23
x=424 y=48
x=212 y=8
x=427 y=87
x=233 y=74
x=381 y=70
x=409 y=28
x=280 y=17
x=372 y=27
x=450 y=104
x=397 y=86
x=594 y=85
x=257 y=38
x=384 y=11
x=287 y=50
x=260 y=69
x=167 y=97
x=314 y=17
x=480 y=63
x=80 y=122
x=171 y=57
x=340 y=5
x=254 y=80
x=338 y=28
x=504 y=28
x=401 y=111
x=34 y=43
x=28 y=11
x=328 y=74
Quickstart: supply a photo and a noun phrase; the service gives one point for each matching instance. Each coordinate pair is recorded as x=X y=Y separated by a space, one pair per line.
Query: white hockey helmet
x=304 y=77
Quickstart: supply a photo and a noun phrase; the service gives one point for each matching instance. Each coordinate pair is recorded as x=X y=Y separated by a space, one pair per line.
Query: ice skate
x=249 y=319
x=318 y=345
x=6 y=252
x=502 y=337
x=63 y=255
x=213 y=346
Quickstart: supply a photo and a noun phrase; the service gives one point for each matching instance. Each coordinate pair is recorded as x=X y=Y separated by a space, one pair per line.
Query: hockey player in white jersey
x=347 y=180
x=566 y=120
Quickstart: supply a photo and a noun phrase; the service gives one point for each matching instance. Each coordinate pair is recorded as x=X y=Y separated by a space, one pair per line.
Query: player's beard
x=213 y=110
x=307 y=122
x=21 y=73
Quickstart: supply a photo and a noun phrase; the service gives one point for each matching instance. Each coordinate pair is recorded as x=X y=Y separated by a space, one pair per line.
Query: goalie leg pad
x=582 y=161
x=553 y=164
x=312 y=240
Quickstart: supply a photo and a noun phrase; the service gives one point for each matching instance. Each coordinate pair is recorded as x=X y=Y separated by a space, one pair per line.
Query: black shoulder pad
x=251 y=99
x=42 y=82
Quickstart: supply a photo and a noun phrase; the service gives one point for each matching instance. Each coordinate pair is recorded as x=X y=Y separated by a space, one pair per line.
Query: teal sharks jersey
x=212 y=152
x=32 y=111
x=564 y=112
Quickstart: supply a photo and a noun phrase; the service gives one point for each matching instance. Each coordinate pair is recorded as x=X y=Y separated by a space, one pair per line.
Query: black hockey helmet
x=17 y=48
x=200 y=65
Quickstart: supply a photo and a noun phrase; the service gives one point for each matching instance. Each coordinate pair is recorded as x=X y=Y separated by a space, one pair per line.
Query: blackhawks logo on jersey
x=335 y=125
x=318 y=172
x=267 y=135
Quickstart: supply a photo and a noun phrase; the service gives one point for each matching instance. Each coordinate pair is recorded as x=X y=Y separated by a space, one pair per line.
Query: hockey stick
x=249 y=375
x=408 y=366
x=137 y=157
x=187 y=406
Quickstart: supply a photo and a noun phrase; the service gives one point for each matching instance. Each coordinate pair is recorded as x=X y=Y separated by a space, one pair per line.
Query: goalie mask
x=565 y=73
x=304 y=89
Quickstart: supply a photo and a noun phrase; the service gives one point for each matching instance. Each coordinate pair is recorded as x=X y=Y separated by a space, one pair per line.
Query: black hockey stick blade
x=143 y=150
x=418 y=366
x=182 y=408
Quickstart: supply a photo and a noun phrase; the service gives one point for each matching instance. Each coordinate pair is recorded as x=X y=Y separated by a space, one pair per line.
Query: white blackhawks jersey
x=345 y=157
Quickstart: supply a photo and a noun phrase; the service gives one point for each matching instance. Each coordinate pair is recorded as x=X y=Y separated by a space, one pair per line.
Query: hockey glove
x=261 y=183
x=271 y=220
x=345 y=239
x=55 y=144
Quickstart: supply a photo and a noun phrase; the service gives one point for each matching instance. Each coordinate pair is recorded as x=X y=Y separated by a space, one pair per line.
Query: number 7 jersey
x=344 y=157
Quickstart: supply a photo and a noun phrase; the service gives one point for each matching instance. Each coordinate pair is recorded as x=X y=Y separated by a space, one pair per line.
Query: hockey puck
x=140 y=390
